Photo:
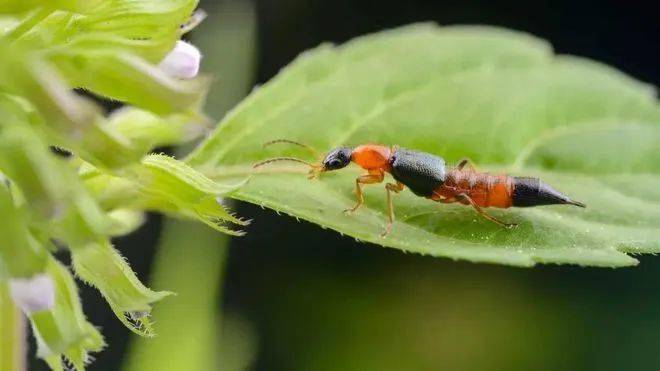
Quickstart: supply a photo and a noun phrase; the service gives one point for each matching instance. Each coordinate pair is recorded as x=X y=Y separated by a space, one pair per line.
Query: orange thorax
x=372 y=157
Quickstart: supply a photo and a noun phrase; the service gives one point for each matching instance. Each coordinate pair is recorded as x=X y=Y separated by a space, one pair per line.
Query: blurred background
x=292 y=296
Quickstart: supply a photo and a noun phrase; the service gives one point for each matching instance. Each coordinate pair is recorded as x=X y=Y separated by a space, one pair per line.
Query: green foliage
x=111 y=49
x=11 y=324
x=63 y=330
x=190 y=253
x=498 y=97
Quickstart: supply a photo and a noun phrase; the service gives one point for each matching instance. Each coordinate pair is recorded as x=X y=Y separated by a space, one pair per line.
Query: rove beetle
x=428 y=176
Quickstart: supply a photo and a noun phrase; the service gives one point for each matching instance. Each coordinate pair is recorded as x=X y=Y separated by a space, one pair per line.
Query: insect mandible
x=427 y=175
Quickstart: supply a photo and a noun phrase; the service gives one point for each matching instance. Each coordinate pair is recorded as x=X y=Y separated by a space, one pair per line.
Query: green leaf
x=103 y=267
x=496 y=96
x=63 y=331
x=130 y=79
x=48 y=103
x=161 y=183
x=172 y=185
x=110 y=48
x=156 y=22
x=56 y=200
x=147 y=131
x=125 y=221
x=20 y=254
x=13 y=6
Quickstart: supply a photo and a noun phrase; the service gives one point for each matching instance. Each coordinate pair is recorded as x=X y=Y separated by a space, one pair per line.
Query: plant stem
x=12 y=333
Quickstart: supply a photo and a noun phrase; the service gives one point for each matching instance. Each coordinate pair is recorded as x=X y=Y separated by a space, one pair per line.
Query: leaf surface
x=498 y=97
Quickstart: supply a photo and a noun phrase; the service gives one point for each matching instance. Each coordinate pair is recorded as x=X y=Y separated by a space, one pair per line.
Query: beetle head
x=337 y=159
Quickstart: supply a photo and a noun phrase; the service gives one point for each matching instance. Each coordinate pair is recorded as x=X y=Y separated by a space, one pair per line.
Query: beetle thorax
x=371 y=157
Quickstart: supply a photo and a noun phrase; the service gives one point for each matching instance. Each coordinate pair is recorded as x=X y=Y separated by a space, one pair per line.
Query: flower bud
x=33 y=294
x=182 y=62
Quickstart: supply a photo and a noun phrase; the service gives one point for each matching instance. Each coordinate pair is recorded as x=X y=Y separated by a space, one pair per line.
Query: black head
x=337 y=159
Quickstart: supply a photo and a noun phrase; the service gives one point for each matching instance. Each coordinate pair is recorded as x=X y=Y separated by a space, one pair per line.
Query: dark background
x=317 y=300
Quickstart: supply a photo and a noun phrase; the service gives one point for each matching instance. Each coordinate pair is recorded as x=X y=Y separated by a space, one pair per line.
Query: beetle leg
x=359 y=181
x=481 y=212
x=396 y=188
x=448 y=200
x=465 y=162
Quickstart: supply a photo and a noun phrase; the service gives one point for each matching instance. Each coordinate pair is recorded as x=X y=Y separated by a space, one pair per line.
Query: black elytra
x=422 y=172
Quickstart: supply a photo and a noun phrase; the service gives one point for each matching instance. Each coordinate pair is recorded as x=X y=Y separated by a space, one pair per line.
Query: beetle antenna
x=278 y=159
x=288 y=141
x=314 y=171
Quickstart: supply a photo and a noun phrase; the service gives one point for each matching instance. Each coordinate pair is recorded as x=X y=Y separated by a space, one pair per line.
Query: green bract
x=110 y=48
x=498 y=97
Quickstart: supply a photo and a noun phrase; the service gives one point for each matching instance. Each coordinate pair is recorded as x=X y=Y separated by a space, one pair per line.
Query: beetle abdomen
x=484 y=189
x=421 y=172
x=533 y=192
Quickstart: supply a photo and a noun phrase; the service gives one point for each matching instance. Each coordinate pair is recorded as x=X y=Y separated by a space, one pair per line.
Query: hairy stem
x=12 y=333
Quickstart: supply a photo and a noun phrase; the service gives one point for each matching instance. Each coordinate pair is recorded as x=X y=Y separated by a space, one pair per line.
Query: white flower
x=183 y=61
x=33 y=294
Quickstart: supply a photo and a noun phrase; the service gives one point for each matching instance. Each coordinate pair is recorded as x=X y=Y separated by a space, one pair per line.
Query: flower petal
x=33 y=294
x=183 y=61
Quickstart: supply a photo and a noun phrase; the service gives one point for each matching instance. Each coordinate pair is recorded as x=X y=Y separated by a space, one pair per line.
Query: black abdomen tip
x=529 y=192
